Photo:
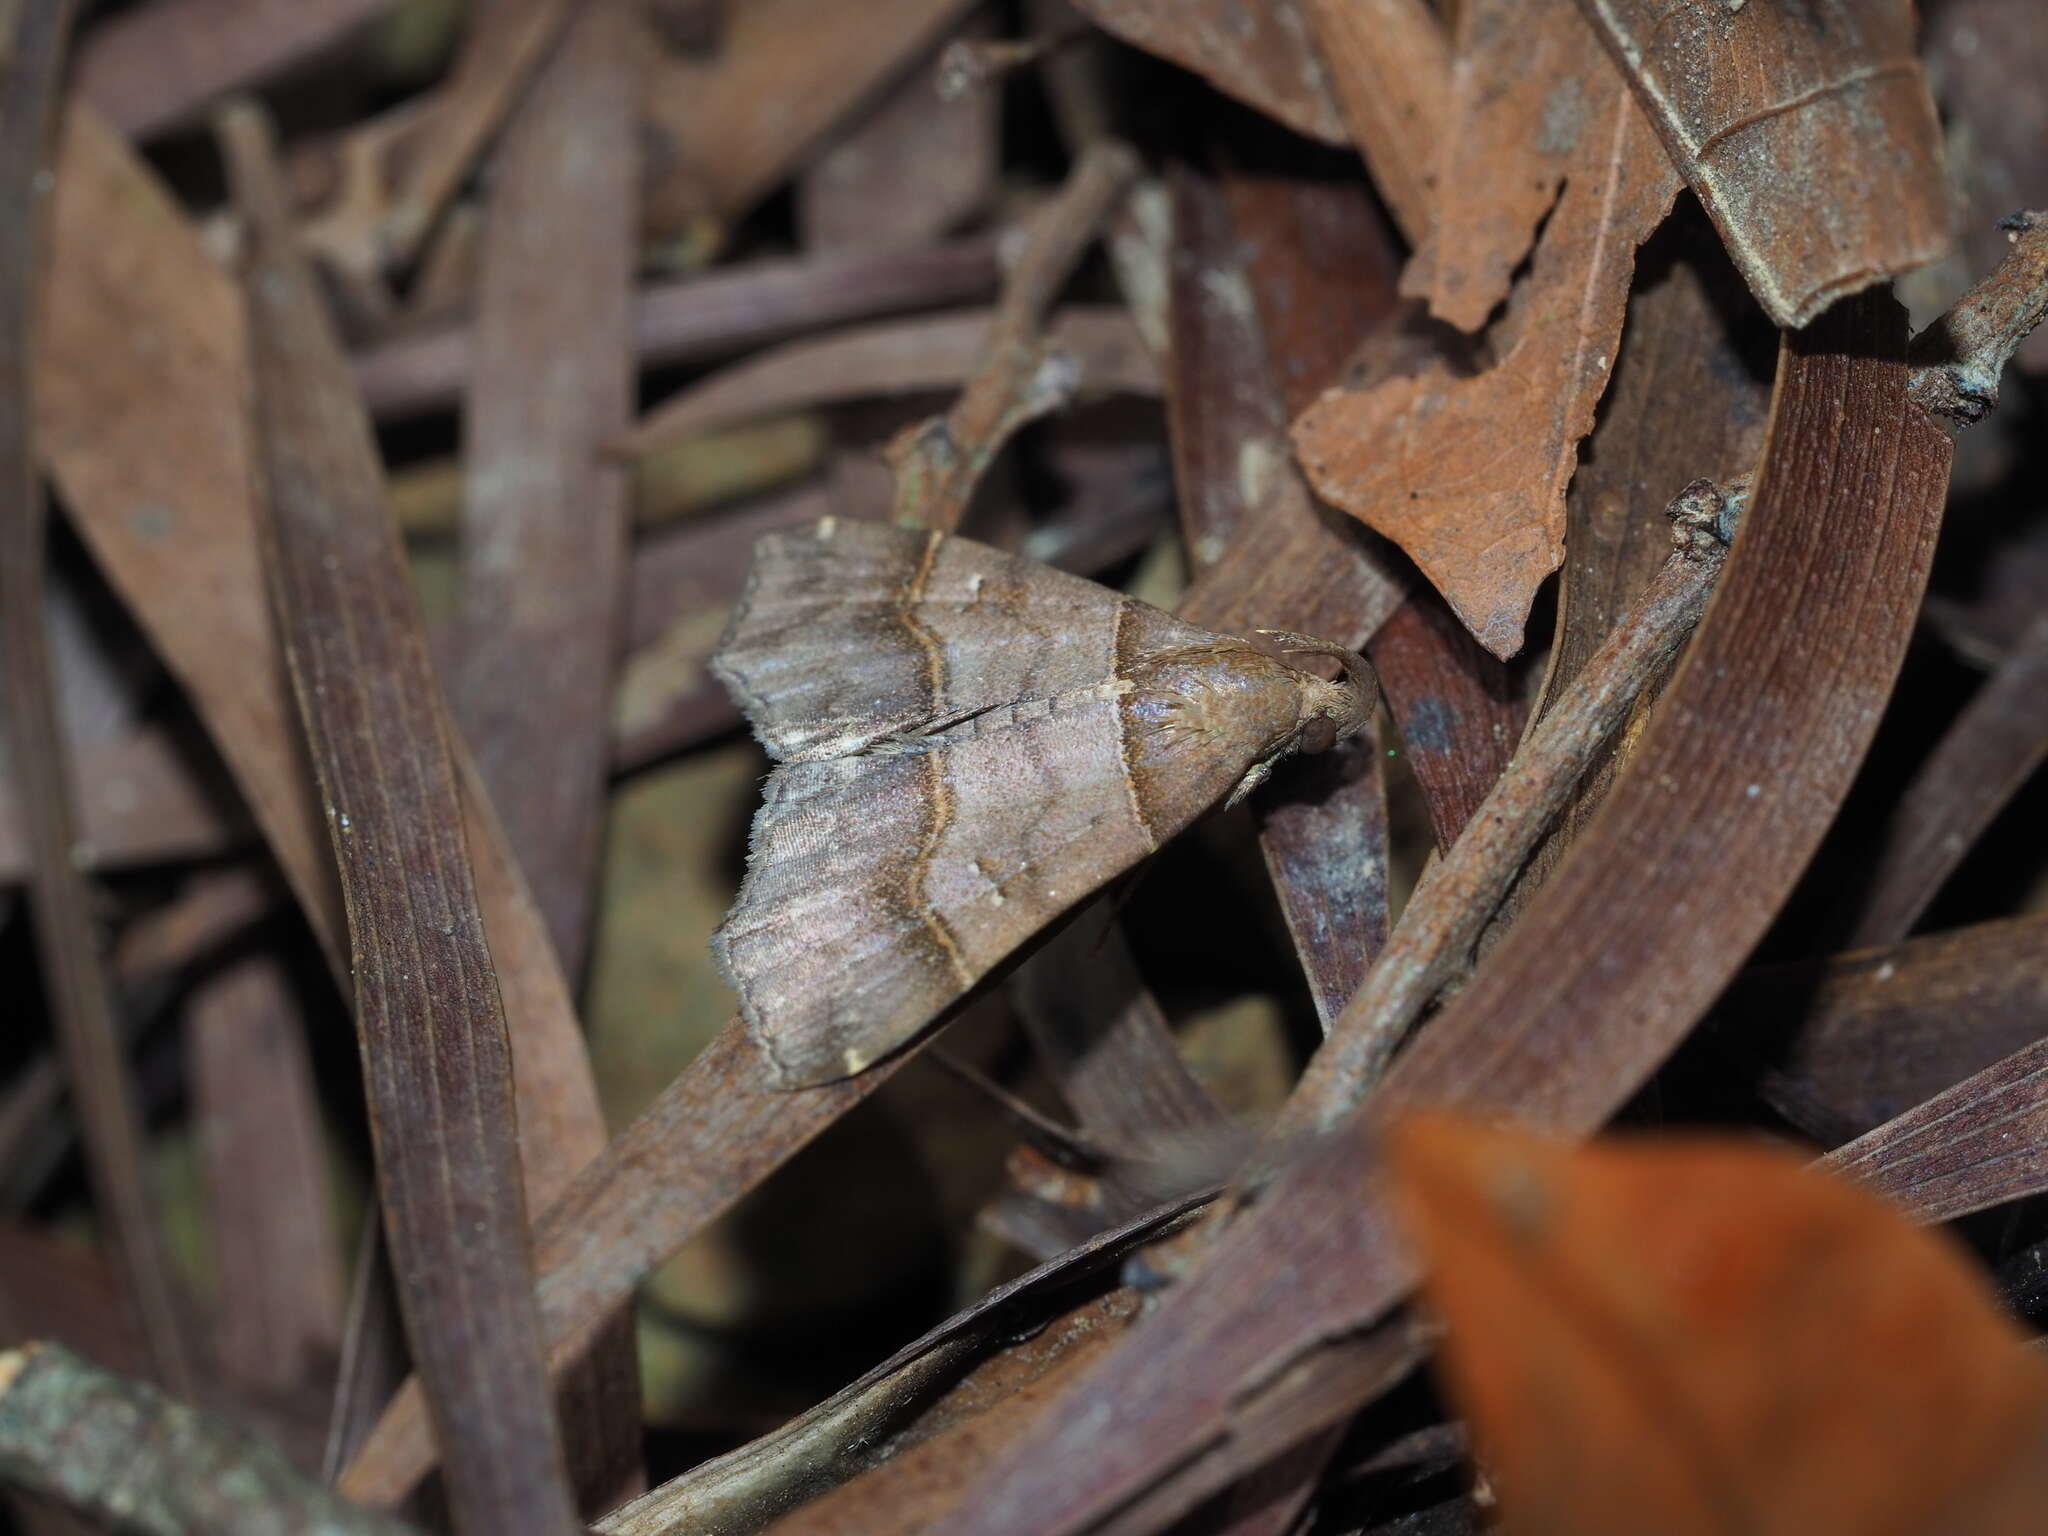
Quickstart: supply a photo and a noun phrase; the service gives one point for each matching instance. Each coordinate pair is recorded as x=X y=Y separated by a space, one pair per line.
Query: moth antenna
x=1358 y=672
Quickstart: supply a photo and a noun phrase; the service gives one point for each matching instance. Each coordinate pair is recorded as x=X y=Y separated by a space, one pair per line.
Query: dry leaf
x=1806 y=131
x=1701 y=1335
x=1390 y=66
x=1261 y=54
x=1524 y=73
x=1469 y=475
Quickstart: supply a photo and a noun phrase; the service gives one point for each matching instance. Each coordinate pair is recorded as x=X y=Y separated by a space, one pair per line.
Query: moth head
x=1330 y=710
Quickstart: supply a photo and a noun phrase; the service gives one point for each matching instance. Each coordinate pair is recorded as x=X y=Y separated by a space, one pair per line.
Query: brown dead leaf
x=1469 y=475
x=1524 y=73
x=1261 y=54
x=1390 y=65
x=1700 y=1335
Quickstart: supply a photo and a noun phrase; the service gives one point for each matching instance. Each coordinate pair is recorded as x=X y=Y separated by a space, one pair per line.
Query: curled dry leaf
x=968 y=744
x=1469 y=475
x=1702 y=1336
x=1805 y=130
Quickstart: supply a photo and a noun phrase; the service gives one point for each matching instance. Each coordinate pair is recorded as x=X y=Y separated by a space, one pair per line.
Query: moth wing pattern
x=850 y=631
x=956 y=767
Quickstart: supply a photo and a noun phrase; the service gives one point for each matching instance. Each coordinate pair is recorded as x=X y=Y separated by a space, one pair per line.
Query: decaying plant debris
x=780 y=765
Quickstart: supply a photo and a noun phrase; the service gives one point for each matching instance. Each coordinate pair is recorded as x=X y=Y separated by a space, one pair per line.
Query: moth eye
x=1319 y=735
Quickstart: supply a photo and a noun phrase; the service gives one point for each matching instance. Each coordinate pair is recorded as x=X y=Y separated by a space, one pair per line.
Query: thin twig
x=974 y=63
x=1061 y=1145
x=939 y=462
x=696 y=319
x=122 y=1452
x=487 y=82
x=95 y=1063
x=1445 y=916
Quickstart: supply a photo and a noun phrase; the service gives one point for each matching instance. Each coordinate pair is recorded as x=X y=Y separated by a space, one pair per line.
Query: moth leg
x=1254 y=776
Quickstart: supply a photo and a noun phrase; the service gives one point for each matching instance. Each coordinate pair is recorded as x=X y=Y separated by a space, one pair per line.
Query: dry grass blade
x=1857 y=1039
x=544 y=522
x=147 y=1465
x=141 y=417
x=141 y=414
x=542 y=569
x=1983 y=1142
x=1987 y=755
x=436 y=1059
x=31 y=47
x=716 y=1131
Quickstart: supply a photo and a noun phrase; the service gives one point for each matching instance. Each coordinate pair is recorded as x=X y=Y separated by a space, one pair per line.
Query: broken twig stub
x=969 y=743
x=1958 y=359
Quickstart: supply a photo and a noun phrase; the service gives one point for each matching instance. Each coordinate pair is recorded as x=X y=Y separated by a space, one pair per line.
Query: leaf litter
x=1343 y=360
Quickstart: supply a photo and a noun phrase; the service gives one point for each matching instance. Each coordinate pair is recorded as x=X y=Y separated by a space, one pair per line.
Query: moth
x=967 y=743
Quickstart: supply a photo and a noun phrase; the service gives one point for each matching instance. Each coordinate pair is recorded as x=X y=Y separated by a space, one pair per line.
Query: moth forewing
x=968 y=744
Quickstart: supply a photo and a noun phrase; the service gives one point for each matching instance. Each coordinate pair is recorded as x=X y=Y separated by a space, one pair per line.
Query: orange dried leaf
x=1700 y=1335
x=1469 y=475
